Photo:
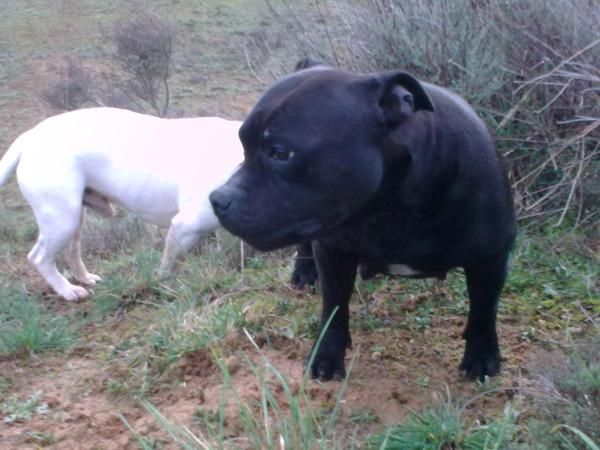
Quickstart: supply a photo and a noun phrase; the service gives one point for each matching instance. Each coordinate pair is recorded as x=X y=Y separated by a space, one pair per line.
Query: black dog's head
x=313 y=152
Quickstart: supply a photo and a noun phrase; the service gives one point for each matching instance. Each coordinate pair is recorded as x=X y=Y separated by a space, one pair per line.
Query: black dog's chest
x=386 y=244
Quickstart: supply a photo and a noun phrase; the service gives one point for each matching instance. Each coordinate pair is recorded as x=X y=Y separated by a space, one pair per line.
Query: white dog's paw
x=159 y=274
x=90 y=279
x=74 y=293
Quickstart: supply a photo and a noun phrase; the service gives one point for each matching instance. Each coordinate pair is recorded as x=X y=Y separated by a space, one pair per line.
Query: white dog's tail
x=10 y=160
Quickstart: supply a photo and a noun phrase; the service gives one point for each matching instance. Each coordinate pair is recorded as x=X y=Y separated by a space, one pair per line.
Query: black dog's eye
x=279 y=153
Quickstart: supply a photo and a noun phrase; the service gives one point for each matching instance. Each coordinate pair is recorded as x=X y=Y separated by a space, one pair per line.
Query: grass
x=15 y=409
x=553 y=281
x=207 y=305
x=42 y=34
x=569 y=396
x=446 y=422
x=567 y=410
x=283 y=416
x=28 y=327
x=444 y=426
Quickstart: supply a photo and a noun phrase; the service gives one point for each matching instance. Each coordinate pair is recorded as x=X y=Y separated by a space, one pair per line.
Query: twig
x=512 y=111
x=561 y=64
x=556 y=97
x=578 y=119
x=576 y=181
x=588 y=317
x=587 y=130
x=464 y=69
x=249 y=64
x=329 y=39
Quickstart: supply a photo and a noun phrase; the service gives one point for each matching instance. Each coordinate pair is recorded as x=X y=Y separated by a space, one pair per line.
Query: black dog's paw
x=478 y=366
x=304 y=274
x=367 y=271
x=327 y=367
x=328 y=362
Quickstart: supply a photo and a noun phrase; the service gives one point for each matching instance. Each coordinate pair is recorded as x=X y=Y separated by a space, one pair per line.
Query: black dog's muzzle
x=221 y=200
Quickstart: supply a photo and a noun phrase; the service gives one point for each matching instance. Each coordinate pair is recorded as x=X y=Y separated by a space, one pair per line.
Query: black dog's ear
x=307 y=63
x=400 y=94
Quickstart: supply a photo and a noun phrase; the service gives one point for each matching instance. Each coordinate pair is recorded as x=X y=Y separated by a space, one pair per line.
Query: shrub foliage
x=530 y=67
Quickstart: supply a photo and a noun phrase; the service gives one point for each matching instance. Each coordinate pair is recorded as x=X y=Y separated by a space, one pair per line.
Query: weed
x=104 y=238
x=581 y=435
x=129 y=279
x=143 y=442
x=185 y=328
x=208 y=419
x=40 y=438
x=550 y=282
x=28 y=328
x=5 y=384
x=282 y=417
x=422 y=381
x=18 y=410
x=571 y=393
x=444 y=426
x=364 y=416
x=116 y=388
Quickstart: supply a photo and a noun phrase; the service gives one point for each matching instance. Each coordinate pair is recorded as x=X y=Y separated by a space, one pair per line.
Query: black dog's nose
x=220 y=201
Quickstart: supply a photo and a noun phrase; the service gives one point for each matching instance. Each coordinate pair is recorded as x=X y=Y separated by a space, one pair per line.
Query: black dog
x=379 y=170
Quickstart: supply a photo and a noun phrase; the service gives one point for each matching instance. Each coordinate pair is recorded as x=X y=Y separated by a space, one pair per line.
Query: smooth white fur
x=402 y=270
x=160 y=169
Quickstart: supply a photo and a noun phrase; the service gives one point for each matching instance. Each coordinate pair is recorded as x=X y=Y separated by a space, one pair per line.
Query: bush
x=143 y=52
x=447 y=42
x=530 y=68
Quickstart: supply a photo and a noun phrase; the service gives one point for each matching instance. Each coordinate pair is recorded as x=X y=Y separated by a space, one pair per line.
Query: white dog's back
x=138 y=161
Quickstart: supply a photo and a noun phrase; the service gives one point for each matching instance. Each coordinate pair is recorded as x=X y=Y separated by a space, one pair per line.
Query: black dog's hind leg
x=482 y=353
x=305 y=268
x=337 y=270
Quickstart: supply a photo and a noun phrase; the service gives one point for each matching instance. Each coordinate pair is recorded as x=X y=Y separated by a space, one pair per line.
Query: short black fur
x=383 y=170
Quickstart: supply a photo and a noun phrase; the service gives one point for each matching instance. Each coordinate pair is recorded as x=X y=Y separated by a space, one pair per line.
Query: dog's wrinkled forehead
x=302 y=101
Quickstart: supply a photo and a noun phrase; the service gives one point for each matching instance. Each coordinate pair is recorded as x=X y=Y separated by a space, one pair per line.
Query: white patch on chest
x=402 y=270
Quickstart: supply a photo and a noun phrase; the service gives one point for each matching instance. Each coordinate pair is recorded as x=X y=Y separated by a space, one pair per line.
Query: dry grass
x=531 y=69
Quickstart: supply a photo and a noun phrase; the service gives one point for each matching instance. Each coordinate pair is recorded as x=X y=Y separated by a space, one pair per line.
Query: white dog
x=160 y=169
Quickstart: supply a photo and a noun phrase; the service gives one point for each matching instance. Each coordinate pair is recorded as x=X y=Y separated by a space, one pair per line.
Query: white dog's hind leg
x=56 y=228
x=41 y=257
x=74 y=260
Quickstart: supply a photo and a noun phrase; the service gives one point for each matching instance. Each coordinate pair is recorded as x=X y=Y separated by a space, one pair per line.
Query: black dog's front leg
x=482 y=353
x=337 y=270
x=305 y=268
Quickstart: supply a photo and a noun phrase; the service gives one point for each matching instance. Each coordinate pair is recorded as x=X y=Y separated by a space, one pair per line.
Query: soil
x=406 y=372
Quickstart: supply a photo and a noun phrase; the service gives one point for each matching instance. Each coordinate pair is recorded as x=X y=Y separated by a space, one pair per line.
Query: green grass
x=20 y=409
x=553 y=281
x=28 y=328
x=445 y=426
x=570 y=399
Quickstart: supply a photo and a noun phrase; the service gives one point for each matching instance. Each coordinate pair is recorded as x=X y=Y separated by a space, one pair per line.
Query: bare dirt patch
x=394 y=372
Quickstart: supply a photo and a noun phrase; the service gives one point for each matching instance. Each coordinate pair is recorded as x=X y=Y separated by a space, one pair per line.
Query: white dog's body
x=160 y=169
